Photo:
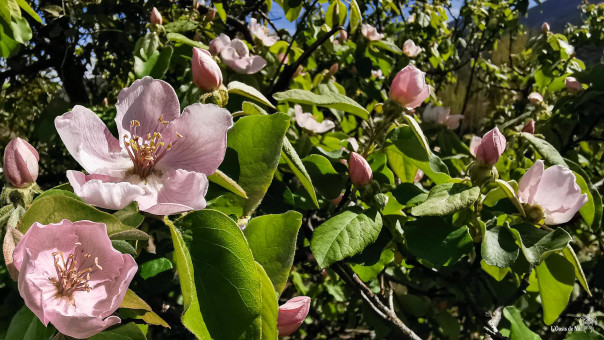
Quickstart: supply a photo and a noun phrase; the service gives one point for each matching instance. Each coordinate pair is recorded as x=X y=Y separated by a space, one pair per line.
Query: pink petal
x=20 y=162
x=177 y=191
x=90 y=143
x=452 y=121
x=557 y=189
x=474 y=143
x=201 y=149
x=103 y=191
x=80 y=326
x=527 y=188
x=292 y=314
x=419 y=99
x=218 y=44
x=559 y=217
x=145 y=101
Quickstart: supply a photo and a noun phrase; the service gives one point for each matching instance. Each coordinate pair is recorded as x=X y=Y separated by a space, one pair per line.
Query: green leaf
x=445 y=199
x=133 y=301
x=177 y=37
x=221 y=12
x=331 y=100
x=336 y=14
x=591 y=211
x=226 y=279
x=328 y=181
x=257 y=141
x=435 y=240
x=242 y=89
x=123 y=247
x=344 y=235
x=545 y=149
x=499 y=247
x=192 y=318
x=355 y=16
x=154 y=267
x=29 y=10
x=129 y=331
x=250 y=109
x=272 y=239
x=130 y=215
x=387 y=45
x=556 y=277
x=26 y=325
x=155 y=66
x=500 y=192
x=265 y=326
x=51 y=192
x=496 y=272
x=55 y=208
x=21 y=31
x=295 y=164
x=403 y=166
x=368 y=273
x=536 y=244
x=518 y=330
x=570 y=255
x=226 y=182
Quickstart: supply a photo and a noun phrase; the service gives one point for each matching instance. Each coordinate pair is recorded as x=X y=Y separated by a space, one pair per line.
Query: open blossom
x=155 y=17
x=535 y=98
x=308 y=122
x=371 y=32
x=489 y=148
x=572 y=84
x=377 y=74
x=206 y=73
x=70 y=275
x=20 y=163
x=359 y=170
x=410 y=49
x=162 y=157
x=236 y=55
x=262 y=32
x=292 y=314
x=440 y=115
x=554 y=190
x=409 y=87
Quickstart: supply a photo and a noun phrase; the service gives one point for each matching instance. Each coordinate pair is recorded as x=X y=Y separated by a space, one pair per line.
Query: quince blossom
x=70 y=275
x=440 y=115
x=236 y=55
x=262 y=32
x=308 y=122
x=162 y=158
x=371 y=33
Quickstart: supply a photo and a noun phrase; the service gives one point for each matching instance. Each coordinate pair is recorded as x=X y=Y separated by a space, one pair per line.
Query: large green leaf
x=332 y=100
x=272 y=239
x=129 y=331
x=445 y=199
x=265 y=325
x=328 y=181
x=434 y=240
x=220 y=178
x=177 y=37
x=518 y=330
x=556 y=277
x=245 y=90
x=593 y=210
x=545 y=149
x=344 y=235
x=225 y=274
x=55 y=208
x=155 y=65
x=257 y=140
x=29 y=10
x=355 y=16
x=499 y=247
x=26 y=325
x=570 y=255
x=133 y=301
x=295 y=164
x=536 y=244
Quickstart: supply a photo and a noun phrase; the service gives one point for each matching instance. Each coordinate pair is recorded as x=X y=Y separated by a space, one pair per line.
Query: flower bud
x=491 y=147
x=418 y=176
x=211 y=14
x=334 y=69
x=292 y=314
x=343 y=35
x=535 y=98
x=529 y=127
x=206 y=73
x=572 y=84
x=545 y=28
x=155 y=17
x=20 y=163
x=359 y=170
x=409 y=87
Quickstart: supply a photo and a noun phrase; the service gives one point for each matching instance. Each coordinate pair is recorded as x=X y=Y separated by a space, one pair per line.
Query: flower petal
x=103 y=191
x=560 y=217
x=557 y=189
x=145 y=101
x=80 y=326
x=201 y=149
x=175 y=192
x=90 y=143
x=527 y=188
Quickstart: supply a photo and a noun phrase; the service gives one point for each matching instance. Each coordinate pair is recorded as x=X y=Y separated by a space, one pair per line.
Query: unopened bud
x=359 y=170
x=206 y=73
x=529 y=127
x=20 y=163
x=155 y=17
x=545 y=28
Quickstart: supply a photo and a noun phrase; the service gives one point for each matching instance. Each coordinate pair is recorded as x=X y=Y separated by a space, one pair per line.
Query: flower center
x=146 y=150
x=69 y=278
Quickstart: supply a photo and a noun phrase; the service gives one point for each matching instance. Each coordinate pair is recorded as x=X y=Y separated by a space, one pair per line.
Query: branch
x=237 y=24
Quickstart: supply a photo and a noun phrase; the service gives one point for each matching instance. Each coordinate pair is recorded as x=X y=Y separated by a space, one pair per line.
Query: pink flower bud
x=343 y=35
x=572 y=84
x=410 y=49
x=545 y=27
x=334 y=69
x=409 y=87
x=206 y=73
x=337 y=200
x=529 y=127
x=535 y=98
x=282 y=58
x=359 y=169
x=211 y=14
x=418 y=175
x=292 y=314
x=20 y=163
x=491 y=147
x=155 y=17
x=298 y=71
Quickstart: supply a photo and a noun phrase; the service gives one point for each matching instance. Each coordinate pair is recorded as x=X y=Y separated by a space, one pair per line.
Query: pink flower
x=490 y=148
x=262 y=32
x=70 y=275
x=529 y=127
x=236 y=55
x=410 y=49
x=308 y=122
x=333 y=69
x=155 y=17
x=572 y=84
x=20 y=163
x=359 y=170
x=409 y=87
x=535 y=98
x=474 y=143
x=343 y=35
x=206 y=73
x=545 y=27
x=371 y=32
x=418 y=175
x=554 y=190
x=292 y=314
x=440 y=115
x=337 y=200
x=162 y=158
x=377 y=74
x=282 y=58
